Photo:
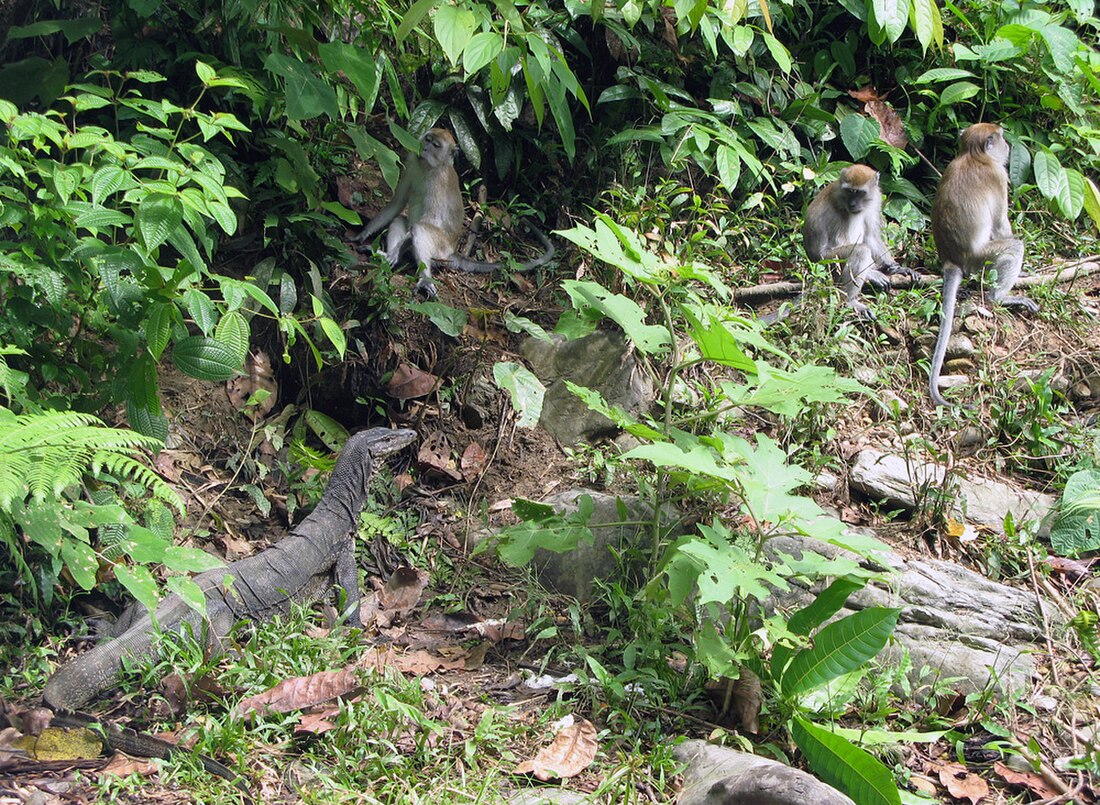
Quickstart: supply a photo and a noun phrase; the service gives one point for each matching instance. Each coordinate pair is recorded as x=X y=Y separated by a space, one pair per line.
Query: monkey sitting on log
x=429 y=196
x=844 y=223
x=972 y=232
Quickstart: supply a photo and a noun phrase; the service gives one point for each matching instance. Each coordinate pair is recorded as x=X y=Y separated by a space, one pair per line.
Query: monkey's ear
x=989 y=141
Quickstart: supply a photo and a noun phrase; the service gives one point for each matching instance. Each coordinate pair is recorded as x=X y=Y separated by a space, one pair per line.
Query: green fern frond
x=43 y=453
x=123 y=466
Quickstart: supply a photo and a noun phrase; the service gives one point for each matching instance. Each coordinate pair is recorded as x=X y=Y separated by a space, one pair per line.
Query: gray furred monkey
x=972 y=232
x=844 y=223
x=429 y=195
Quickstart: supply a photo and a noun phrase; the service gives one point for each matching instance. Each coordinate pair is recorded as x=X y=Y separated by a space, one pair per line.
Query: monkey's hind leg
x=859 y=268
x=1006 y=258
x=397 y=237
x=428 y=243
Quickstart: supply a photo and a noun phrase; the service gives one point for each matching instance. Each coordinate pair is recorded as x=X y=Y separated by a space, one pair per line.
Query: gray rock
x=887 y=477
x=958 y=623
x=719 y=776
x=603 y=361
x=959 y=346
x=575 y=572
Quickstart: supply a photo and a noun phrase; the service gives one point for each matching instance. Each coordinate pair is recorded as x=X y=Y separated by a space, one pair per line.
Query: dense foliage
x=165 y=191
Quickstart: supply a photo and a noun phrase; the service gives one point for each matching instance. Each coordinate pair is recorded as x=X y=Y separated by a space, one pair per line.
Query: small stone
x=865 y=375
x=958 y=366
x=960 y=346
x=976 y=324
x=1047 y=704
x=1081 y=391
x=969 y=437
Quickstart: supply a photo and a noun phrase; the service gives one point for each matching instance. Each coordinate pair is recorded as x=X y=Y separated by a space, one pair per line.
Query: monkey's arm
x=398 y=203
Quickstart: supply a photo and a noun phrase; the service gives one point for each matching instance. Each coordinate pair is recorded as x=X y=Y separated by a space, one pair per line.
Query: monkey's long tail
x=462 y=263
x=952 y=278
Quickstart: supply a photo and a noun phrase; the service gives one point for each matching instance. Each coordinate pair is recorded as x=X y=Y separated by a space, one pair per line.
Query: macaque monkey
x=844 y=223
x=972 y=233
x=429 y=195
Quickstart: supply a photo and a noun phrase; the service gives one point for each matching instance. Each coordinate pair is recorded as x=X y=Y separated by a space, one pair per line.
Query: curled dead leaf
x=302 y=692
x=473 y=461
x=408 y=383
x=434 y=455
x=401 y=592
x=572 y=751
x=961 y=783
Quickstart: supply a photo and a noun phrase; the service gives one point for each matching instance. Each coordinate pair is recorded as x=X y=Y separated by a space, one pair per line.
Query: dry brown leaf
x=1028 y=779
x=435 y=454
x=1072 y=569
x=302 y=692
x=473 y=461
x=124 y=766
x=401 y=592
x=573 y=750
x=408 y=383
x=963 y=784
x=420 y=662
x=889 y=121
x=377 y=660
x=259 y=377
x=235 y=547
x=497 y=631
x=317 y=723
x=866 y=94
x=403 y=481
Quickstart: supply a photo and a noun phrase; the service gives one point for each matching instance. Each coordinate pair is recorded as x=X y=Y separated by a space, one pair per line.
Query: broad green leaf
x=594 y=400
x=844 y=766
x=826 y=604
x=873 y=737
x=651 y=339
x=543 y=528
x=158 y=327
x=521 y=324
x=144 y=545
x=140 y=584
x=189 y=592
x=1019 y=164
x=411 y=18
x=307 y=96
x=959 y=92
x=450 y=321
x=778 y=52
x=328 y=430
x=717 y=343
x=107 y=181
x=190 y=560
x=1076 y=197
x=205 y=358
x=889 y=17
x=233 y=331
x=1092 y=201
x=839 y=648
x=524 y=389
x=1076 y=529
x=482 y=49
x=454 y=28
x=728 y=165
x=358 y=64
x=858 y=132
x=1051 y=179
x=157 y=215
x=922 y=21
x=81 y=561
x=942 y=74
x=334 y=334
x=201 y=308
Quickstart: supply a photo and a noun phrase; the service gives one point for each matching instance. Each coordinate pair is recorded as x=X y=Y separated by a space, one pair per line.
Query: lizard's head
x=381 y=441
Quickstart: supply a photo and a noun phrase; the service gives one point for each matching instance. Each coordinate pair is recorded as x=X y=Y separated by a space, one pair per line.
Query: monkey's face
x=855 y=199
x=998 y=148
x=437 y=147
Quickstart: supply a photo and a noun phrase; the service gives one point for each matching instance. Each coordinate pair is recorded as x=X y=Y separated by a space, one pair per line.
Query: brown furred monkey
x=844 y=223
x=972 y=233
x=429 y=194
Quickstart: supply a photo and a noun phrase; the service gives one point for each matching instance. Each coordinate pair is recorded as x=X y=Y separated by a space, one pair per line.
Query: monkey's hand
x=894 y=268
x=425 y=286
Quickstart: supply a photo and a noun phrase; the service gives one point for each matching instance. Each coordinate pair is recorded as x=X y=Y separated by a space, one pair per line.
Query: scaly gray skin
x=317 y=555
